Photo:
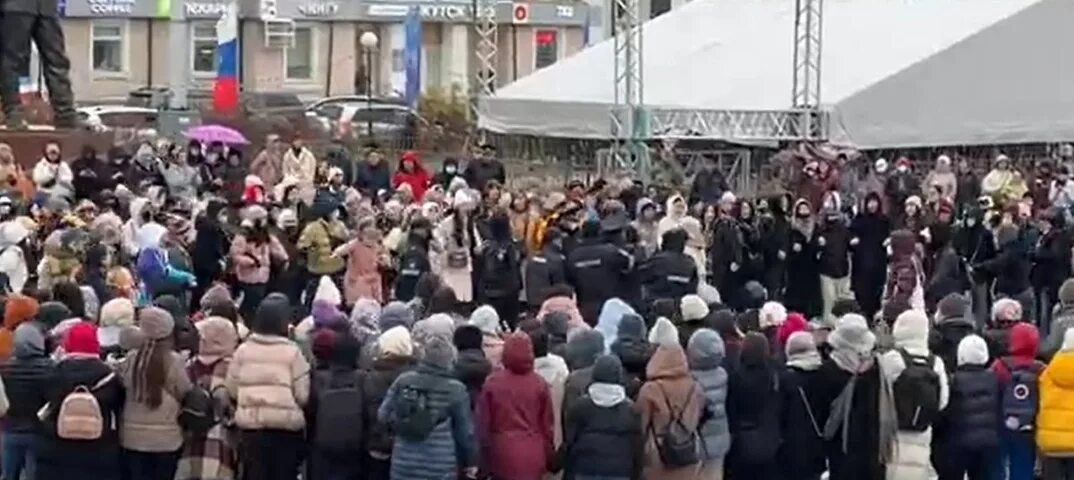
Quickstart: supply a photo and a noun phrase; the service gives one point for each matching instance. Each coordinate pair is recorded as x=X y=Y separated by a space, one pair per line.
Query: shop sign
x=432 y=12
x=199 y=9
x=318 y=9
x=106 y=8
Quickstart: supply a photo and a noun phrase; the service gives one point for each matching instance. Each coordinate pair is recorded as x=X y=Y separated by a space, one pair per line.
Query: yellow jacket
x=1055 y=418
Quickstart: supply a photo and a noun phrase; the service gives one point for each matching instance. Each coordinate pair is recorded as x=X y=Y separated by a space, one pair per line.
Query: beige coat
x=147 y=429
x=668 y=373
x=270 y=382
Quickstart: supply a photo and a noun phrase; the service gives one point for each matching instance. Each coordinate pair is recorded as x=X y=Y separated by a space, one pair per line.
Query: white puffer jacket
x=270 y=380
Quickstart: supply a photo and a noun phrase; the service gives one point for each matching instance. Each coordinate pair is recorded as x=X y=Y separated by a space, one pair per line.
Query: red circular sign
x=522 y=13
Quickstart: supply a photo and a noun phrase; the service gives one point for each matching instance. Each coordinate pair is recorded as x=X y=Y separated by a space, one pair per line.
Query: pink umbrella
x=216 y=133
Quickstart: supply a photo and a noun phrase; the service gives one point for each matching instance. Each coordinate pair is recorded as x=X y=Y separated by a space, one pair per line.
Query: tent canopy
x=893 y=72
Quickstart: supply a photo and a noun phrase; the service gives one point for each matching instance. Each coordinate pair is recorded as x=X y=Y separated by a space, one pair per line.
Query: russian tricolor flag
x=226 y=86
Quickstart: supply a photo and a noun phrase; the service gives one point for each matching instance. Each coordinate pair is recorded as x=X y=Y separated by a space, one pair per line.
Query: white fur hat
x=972 y=350
x=327 y=291
x=693 y=307
x=772 y=314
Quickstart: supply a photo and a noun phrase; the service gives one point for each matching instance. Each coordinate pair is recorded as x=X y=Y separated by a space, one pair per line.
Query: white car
x=101 y=118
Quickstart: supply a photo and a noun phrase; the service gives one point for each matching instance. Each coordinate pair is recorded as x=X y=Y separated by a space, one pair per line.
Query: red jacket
x=515 y=417
x=418 y=179
x=1024 y=340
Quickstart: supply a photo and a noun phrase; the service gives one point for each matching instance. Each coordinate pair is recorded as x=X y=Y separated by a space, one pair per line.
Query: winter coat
x=373 y=178
x=472 y=368
x=834 y=243
x=479 y=173
x=802 y=451
x=459 y=279
x=553 y=370
x=451 y=444
x=602 y=441
x=317 y=241
x=375 y=385
x=97 y=458
x=971 y=421
x=268 y=166
x=708 y=186
x=180 y=179
x=634 y=353
x=362 y=278
x=515 y=416
x=418 y=180
x=706 y=357
x=269 y=379
x=1022 y=342
x=26 y=378
x=546 y=268
x=862 y=457
x=144 y=428
x=53 y=179
x=566 y=305
x=753 y=408
x=948 y=276
x=1062 y=319
x=803 y=273
x=1051 y=261
x=669 y=384
x=253 y=261
x=1055 y=419
x=215 y=455
x=912 y=458
x=1010 y=268
x=301 y=166
x=945 y=337
x=869 y=258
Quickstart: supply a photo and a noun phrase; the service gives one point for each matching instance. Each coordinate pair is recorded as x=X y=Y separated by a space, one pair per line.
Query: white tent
x=894 y=72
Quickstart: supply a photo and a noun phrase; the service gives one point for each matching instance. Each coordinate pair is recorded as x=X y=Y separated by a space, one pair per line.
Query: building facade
x=310 y=47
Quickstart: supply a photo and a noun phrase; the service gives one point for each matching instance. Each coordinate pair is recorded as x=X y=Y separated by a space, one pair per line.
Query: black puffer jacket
x=835 y=251
x=471 y=368
x=604 y=442
x=26 y=379
x=375 y=384
x=802 y=451
x=101 y=455
x=944 y=339
x=972 y=417
x=633 y=351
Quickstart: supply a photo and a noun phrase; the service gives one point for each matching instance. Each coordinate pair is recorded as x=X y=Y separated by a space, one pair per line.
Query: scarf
x=808 y=361
x=839 y=419
x=606 y=394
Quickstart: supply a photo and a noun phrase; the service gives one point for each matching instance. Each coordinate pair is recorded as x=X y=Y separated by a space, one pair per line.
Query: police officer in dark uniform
x=596 y=269
x=670 y=273
x=545 y=269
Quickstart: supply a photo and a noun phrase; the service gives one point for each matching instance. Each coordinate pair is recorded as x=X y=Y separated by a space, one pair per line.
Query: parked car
x=274 y=111
x=100 y=118
x=393 y=126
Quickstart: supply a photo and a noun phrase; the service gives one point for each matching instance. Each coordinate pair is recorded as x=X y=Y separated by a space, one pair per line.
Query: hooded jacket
x=1055 y=419
x=26 y=379
x=648 y=233
x=705 y=354
x=1010 y=267
x=418 y=179
x=668 y=384
x=611 y=314
x=1023 y=342
x=633 y=350
x=515 y=416
x=945 y=337
x=753 y=404
x=910 y=333
x=671 y=273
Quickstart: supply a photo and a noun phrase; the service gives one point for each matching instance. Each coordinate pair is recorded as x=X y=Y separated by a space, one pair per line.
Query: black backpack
x=500 y=276
x=676 y=443
x=339 y=413
x=415 y=417
x=199 y=413
x=917 y=393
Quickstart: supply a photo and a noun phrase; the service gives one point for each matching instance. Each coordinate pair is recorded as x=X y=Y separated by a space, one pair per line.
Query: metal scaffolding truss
x=627 y=122
x=807 y=41
x=766 y=125
x=485 y=28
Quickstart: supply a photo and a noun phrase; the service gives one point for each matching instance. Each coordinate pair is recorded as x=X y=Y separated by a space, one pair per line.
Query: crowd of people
x=178 y=312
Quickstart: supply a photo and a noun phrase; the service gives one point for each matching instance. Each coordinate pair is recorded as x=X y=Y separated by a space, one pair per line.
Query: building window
x=659 y=7
x=108 y=48
x=547 y=48
x=300 y=55
x=203 y=51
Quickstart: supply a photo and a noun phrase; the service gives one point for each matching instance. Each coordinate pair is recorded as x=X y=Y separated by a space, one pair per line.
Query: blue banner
x=412 y=55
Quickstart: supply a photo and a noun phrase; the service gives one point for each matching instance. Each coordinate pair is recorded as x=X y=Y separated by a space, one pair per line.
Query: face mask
x=449 y=169
x=971 y=221
x=903 y=168
x=212 y=156
x=194 y=151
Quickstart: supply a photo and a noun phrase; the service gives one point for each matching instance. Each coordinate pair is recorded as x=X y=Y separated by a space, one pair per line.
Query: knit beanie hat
x=82 y=339
x=19 y=309
x=396 y=342
x=772 y=314
x=972 y=350
x=216 y=296
x=396 y=314
x=217 y=338
x=852 y=333
x=487 y=320
x=118 y=312
x=52 y=313
x=952 y=306
x=326 y=314
x=693 y=308
x=664 y=333
x=708 y=294
x=1066 y=292
x=799 y=345
x=608 y=369
x=323 y=344
x=467 y=337
x=156 y=323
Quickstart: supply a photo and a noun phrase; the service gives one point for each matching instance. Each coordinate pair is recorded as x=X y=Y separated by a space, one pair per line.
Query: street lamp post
x=369 y=42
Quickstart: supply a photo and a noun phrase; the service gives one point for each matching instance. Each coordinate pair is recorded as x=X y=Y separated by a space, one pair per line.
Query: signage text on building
x=210 y=9
x=318 y=9
x=111 y=7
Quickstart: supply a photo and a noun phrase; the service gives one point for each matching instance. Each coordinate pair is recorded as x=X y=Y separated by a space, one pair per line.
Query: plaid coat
x=214 y=456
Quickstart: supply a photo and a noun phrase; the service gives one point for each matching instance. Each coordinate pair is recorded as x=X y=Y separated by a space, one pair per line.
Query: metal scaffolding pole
x=484 y=12
x=628 y=117
x=807 y=49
